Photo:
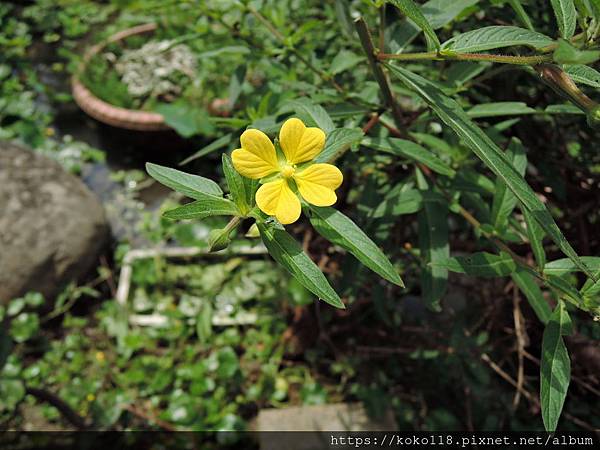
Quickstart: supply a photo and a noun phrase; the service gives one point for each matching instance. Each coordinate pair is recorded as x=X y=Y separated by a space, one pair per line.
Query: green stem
x=435 y=56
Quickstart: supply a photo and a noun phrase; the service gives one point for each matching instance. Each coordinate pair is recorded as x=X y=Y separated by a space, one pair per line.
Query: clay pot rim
x=104 y=112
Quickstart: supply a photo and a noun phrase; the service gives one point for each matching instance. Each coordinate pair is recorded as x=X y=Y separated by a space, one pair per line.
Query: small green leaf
x=433 y=243
x=215 y=145
x=193 y=186
x=566 y=17
x=481 y=264
x=344 y=60
x=339 y=229
x=410 y=150
x=205 y=207
x=555 y=370
x=314 y=112
x=583 y=74
x=528 y=286
x=536 y=235
x=338 y=141
x=453 y=115
x=488 y=38
x=565 y=53
x=499 y=109
x=397 y=203
x=413 y=12
x=504 y=200
x=563 y=266
x=186 y=119
x=236 y=185
x=521 y=13
x=286 y=251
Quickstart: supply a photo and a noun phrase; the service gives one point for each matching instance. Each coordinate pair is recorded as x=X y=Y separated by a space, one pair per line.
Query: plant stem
x=384 y=86
x=435 y=56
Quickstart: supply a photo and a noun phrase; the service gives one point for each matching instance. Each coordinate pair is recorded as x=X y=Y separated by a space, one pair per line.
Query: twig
x=68 y=413
x=518 y=320
x=436 y=56
x=384 y=86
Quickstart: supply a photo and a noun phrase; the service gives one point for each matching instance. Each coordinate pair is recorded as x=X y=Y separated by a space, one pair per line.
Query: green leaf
x=565 y=290
x=215 y=145
x=488 y=38
x=528 y=286
x=410 y=150
x=521 y=13
x=236 y=185
x=338 y=141
x=536 y=235
x=316 y=113
x=344 y=60
x=397 y=203
x=499 y=109
x=433 y=243
x=555 y=370
x=563 y=266
x=481 y=264
x=565 y=53
x=186 y=119
x=566 y=17
x=193 y=186
x=453 y=115
x=413 y=12
x=206 y=207
x=286 y=251
x=341 y=230
x=504 y=200
x=583 y=74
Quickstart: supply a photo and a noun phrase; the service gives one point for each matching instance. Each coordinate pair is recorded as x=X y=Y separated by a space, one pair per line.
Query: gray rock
x=340 y=417
x=52 y=228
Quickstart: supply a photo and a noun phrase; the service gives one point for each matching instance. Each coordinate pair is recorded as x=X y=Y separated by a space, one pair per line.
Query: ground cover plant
x=426 y=170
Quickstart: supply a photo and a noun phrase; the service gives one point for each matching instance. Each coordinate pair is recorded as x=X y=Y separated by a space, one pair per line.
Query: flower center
x=287 y=171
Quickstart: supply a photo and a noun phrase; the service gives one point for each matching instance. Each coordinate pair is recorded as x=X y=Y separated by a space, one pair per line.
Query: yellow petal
x=257 y=157
x=318 y=182
x=277 y=199
x=300 y=144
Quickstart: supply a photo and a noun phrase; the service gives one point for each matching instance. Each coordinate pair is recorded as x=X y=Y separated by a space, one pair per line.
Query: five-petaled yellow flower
x=316 y=182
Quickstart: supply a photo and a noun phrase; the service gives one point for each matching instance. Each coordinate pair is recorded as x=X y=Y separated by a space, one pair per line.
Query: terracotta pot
x=104 y=112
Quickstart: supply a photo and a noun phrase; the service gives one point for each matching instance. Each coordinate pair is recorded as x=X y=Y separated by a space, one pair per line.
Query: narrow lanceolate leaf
x=504 y=200
x=236 y=185
x=555 y=368
x=496 y=36
x=528 y=286
x=433 y=243
x=413 y=12
x=316 y=114
x=206 y=207
x=536 y=235
x=499 y=109
x=193 y=186
x=563 y=266
x=410 y=150
x=480 y=264
x=521 y=13
x=566 y=17
x=583 y=74
x=492 y=156
x=338 y=141
x=341 y=230
x=286 y=251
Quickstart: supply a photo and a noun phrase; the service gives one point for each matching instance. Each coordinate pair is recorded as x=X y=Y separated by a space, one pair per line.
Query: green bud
x=593 y=117
x=218 y=239
x=253 y=231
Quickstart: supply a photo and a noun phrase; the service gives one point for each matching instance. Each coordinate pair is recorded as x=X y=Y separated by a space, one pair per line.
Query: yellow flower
x=316 y=183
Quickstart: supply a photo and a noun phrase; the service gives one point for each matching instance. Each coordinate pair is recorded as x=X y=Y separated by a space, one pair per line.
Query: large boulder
x=52 y=227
